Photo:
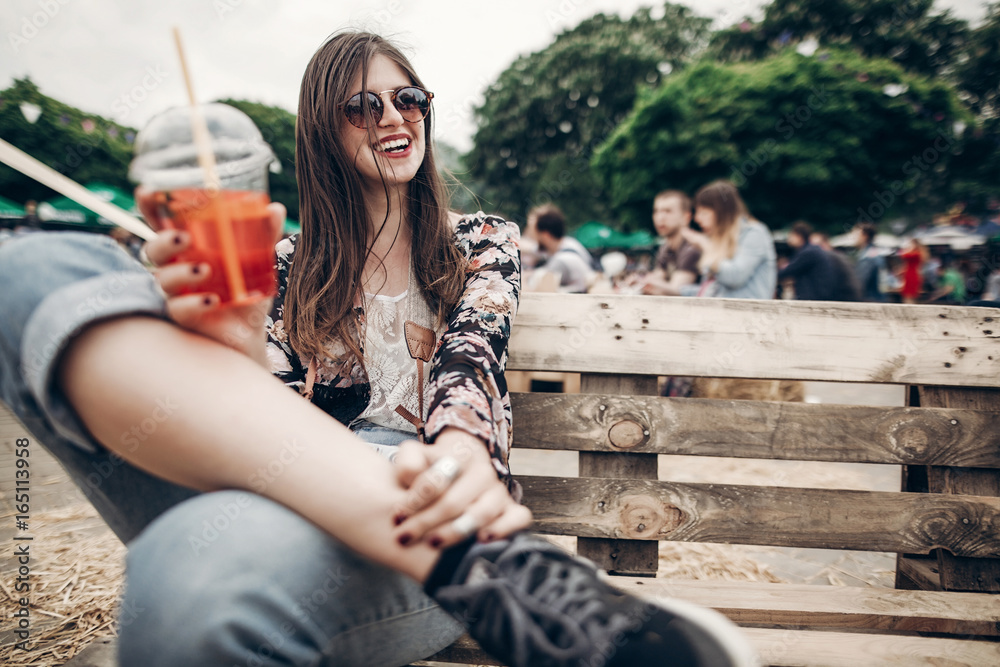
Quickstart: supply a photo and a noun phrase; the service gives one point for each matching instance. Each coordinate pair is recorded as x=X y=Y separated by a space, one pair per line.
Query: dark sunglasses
x=411 y=102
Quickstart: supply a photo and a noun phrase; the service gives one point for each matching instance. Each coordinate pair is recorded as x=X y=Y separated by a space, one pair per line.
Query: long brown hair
x=336 y=233
x=724 y=199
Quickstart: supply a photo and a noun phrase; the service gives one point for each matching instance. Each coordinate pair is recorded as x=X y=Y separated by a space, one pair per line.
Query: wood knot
x=912 y=439
x=626 y=434
x=646 y=517
x=910 y=436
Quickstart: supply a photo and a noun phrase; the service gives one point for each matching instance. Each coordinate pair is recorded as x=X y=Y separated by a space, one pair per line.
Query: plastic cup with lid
x=229 y=225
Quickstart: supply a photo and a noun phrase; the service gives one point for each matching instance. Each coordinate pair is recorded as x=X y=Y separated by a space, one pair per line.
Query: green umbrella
x=65 y=210
x=292 y=226
x=9 y=209
x=595 y=234
x=640 y=239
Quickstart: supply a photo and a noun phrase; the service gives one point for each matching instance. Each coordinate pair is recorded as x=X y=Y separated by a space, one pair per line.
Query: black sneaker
x=529 y=603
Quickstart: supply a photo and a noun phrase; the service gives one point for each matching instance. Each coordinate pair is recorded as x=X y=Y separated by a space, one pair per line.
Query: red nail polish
x=405 y=539
x=196 y=268
x=399 y=518
x=177 y=239
x=208 y=301
x=435 y=542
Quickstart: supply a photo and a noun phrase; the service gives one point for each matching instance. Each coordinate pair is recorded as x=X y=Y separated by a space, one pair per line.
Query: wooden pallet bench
x=944 y=523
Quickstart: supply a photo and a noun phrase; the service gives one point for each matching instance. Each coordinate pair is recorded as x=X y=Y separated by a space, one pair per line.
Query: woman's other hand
x=444 y=507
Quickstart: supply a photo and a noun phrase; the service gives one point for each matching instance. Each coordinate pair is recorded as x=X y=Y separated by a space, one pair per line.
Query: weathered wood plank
x=812 y=606
x=757 y=429
x=783 y=647
x=918 y=573
x=840 y=342
x=845 y=649
x=465 y=651
x=619 y=556
x=775 y=516
x=965 y=574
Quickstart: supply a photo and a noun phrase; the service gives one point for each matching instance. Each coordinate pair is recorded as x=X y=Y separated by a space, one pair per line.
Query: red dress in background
x=912 y=280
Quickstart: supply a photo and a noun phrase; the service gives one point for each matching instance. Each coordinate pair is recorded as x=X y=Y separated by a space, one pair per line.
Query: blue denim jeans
x=227 y=578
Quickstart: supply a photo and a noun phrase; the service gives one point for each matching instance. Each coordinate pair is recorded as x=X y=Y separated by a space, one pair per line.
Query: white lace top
x=392 y=372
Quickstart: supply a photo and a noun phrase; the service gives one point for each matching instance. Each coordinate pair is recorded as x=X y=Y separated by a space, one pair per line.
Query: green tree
x=544 y=116
x=829 y=138
x=278 y=129
x=84 y=147
x=978 y=172
x=979 y=74
x=462 y=188
x=904 y=31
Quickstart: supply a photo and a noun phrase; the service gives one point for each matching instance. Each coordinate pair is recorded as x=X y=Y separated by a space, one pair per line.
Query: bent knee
x=37 y=264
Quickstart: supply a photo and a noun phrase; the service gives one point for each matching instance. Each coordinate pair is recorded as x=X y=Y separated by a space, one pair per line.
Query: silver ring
x=465 y=525
x=447 y=467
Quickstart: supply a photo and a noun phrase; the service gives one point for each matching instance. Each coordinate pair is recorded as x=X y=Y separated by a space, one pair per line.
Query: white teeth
x=390 y=145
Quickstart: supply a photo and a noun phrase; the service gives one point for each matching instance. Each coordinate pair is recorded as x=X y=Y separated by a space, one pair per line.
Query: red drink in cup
x=230 y=228
x=198 y=212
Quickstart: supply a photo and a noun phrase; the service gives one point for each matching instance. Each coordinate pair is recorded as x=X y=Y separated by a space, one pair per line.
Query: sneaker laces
x=544 y=608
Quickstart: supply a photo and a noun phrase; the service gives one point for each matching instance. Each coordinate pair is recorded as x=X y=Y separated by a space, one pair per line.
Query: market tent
x=886 y=242
x=956 y=238
x=65 y=210
x=10 y=209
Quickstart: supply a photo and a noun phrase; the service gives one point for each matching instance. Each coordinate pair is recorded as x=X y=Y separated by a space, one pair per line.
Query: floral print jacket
x=466 y=378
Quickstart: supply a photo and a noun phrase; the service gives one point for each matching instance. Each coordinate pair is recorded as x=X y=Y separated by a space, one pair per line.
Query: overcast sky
x=116 y=57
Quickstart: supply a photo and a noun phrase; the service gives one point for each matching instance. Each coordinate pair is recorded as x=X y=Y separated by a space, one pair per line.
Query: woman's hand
x=239 y=327
x=474 y=496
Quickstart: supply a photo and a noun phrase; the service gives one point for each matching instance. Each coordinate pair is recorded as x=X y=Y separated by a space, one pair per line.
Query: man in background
x=813 y=270
x=677 y=260
x=869 y=262
x=567 y=259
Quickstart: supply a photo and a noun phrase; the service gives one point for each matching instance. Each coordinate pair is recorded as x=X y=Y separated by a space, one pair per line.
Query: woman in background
x=738 y=260
x=914 y=255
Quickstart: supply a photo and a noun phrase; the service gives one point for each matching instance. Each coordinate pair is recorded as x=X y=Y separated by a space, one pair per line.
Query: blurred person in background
x=869 y=263
x=567 y=259
x=676 y=264
x=914 y=254
x=30 y=222
x=992 y=292
x=848 y=287
x=951 y=285
x=737 y=252
x=812 y=269
x=822 y=240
